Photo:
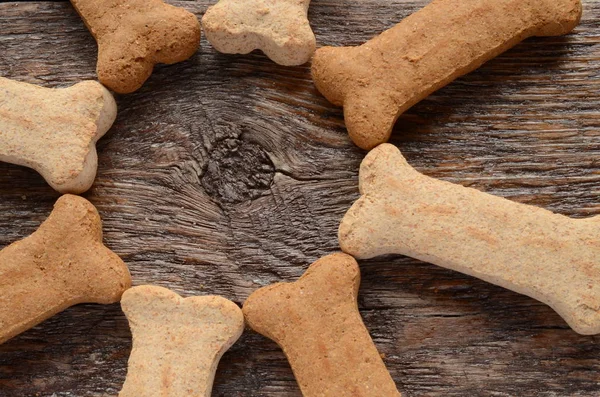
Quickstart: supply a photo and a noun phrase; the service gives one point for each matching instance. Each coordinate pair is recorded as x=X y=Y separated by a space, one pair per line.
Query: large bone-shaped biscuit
x=316 y=322
x=279 y=28
x=550 y=257
x=134 y=35
x=54 y=131
x=379 y=80
x=177 y=342
x=62 y=264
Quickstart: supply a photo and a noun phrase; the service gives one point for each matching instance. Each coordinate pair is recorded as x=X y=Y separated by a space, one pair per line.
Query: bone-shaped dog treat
x=546 y=256
x=379 y=80
x=54 y=131
x=62 y=264
x=134 y=35
x=177 y=343
x=316 y=322
x=279 y=28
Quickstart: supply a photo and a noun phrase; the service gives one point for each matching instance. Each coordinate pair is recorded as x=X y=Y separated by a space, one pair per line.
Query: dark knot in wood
x=238 y=171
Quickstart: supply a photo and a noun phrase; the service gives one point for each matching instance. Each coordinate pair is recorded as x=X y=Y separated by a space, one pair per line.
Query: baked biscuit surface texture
x=279 y=28
x=61 y=264
x=134 y=35
x=550 y=257
x=316 y=322
x=177 y=342
x=379 y=80
x=55 y=130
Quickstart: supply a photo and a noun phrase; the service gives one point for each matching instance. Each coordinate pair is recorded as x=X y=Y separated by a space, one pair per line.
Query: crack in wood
x=237 y=171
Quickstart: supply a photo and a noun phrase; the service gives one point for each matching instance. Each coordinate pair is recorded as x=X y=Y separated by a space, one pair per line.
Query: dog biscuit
x=54 y=131
x=549 y=257
x=279 y=28
x=316 y=322
x=177 y=342
x=62 y=264
x=134 y=35
x=379 y=80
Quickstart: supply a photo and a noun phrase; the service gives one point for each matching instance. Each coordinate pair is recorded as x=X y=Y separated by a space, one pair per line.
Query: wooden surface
x=227 y=173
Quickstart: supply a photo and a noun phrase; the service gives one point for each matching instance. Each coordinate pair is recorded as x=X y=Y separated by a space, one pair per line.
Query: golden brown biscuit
x=532 y=251
x=134 y=35
x=316 y=322
x=62 y=264
x=379 y=80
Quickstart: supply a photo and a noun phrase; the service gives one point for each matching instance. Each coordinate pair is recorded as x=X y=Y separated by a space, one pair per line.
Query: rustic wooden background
x=227 y=173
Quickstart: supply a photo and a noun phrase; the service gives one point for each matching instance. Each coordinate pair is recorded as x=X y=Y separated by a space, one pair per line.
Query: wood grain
x=227 y=173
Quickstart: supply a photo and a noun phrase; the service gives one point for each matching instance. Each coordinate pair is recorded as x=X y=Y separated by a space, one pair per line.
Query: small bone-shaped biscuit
x=379 y=80
x=134 y=35
x=177 y=342
x=316 y=322
x=62 y=264
x=54 y=131
x=279 y=28
x=550 y=257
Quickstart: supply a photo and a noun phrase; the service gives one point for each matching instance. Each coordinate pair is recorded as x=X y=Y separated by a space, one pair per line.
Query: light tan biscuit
x=54 y=131
x=134 y=35
x=62 y=264
x=279 y=28
x=177 y=342
x=316 y=322
x=550 y=257
x=379 y=80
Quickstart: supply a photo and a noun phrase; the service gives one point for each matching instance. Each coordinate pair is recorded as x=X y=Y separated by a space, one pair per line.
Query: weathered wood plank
x=227 y=173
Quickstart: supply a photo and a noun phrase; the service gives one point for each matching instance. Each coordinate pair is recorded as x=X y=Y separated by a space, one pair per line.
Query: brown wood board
x=227 y=173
